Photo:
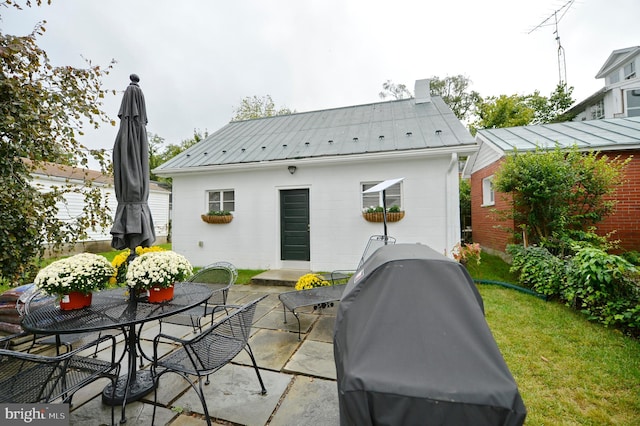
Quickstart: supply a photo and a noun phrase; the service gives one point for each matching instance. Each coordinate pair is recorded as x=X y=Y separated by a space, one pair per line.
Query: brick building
x=613 y=137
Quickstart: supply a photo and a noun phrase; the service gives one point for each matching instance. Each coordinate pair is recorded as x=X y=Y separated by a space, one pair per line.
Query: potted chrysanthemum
x=74 y=278
x=156 y=272
x=309 y=281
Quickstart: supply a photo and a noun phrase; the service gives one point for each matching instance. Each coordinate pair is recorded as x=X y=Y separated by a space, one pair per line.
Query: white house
x=620 y=97
x=295 y=184
x=50 y=175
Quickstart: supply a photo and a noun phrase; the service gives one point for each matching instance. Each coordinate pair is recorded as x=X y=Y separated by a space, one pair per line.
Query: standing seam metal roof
x=605 y=134
x=378 y=127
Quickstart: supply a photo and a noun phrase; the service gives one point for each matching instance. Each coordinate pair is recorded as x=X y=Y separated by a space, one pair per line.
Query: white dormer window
x=488 y=194
x=633 y=103
x=630 y=70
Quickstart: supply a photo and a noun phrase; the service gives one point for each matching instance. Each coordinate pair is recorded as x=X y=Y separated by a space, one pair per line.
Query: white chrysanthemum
x=84 y=272
x=158 y=268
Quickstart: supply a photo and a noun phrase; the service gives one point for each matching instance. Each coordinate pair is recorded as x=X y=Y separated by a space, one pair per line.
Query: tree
x=557 y=194
x=254 y=107
x=158 y=156
x=397 y=91
x=42 y=110
x=522 y=110
x=454 y=91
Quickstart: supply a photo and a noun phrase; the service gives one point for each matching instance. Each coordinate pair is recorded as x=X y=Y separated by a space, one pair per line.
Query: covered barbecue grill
x=412 y=346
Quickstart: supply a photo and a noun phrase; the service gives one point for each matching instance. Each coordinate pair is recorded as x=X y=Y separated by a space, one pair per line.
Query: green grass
x=569 y=371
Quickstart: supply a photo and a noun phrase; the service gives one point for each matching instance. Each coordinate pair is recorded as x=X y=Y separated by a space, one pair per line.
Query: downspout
x=452 y=219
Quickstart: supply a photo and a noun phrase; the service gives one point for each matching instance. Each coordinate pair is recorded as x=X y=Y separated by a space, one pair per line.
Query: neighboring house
x=613 y=137
x=295 y=184
x=50 y=175
x=620 y=97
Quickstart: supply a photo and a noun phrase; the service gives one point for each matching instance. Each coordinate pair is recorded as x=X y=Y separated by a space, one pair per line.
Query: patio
x=300 y=376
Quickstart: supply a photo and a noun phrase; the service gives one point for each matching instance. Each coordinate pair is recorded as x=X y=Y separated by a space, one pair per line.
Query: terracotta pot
x=75 y=300
x=160 y=294
x=217 y=219
x=379 y=217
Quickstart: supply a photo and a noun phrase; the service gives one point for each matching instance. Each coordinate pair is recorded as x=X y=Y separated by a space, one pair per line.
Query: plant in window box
x=74 y=278
x=217 y=216
x=376 y=214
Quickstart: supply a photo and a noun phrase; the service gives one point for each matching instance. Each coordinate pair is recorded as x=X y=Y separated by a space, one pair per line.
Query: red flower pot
x=159 y=295
x=75 y=300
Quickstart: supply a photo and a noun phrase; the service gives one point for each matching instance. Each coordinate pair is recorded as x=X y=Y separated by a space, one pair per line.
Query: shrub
x=538 y=269
x=605 y=287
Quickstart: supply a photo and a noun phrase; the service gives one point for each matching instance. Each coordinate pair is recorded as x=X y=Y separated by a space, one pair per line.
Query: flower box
x=217 y=218
x=379 y=216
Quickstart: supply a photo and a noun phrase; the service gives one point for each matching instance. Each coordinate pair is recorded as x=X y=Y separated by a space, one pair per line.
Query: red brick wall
x=625 y=221
x=487 y=228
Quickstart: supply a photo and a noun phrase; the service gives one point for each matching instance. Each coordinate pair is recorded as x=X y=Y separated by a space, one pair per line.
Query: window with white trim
x=630 y=70
x=633 y=103
x=221 y=200
x=597 y=110
x=488 y=194
x=374 y=199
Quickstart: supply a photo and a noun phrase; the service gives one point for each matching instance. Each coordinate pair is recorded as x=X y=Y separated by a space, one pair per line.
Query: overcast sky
x=198 y=59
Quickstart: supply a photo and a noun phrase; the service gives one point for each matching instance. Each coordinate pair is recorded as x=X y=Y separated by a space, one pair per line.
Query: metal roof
x=372 y=128
x=605 y=134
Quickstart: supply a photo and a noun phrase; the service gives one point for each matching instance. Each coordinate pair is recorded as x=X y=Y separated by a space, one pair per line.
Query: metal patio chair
x=325 y=297
x=218 y=276
x=34 y=298
x=208 y=351
x=32 y=378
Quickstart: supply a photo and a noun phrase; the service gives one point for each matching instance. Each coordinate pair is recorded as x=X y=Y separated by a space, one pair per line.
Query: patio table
x=112 y=309
x=319 y=298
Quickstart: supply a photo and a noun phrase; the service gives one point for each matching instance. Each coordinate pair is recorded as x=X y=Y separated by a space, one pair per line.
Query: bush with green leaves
x=605 y=287
x=538 y=269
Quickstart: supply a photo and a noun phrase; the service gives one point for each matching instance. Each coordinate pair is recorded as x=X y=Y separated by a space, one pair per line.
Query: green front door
x=294 y=224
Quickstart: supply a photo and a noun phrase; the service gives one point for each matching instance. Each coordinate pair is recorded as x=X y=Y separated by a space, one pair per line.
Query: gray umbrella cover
x=133 y=224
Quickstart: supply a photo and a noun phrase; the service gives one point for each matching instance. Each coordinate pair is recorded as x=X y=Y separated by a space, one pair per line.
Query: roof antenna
x=562 y=63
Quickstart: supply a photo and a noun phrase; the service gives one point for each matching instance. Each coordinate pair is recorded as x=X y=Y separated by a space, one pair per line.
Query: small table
x=116 y=309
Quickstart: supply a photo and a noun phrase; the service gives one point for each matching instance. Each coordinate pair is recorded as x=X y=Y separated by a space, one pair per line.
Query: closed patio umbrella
x=132 y=224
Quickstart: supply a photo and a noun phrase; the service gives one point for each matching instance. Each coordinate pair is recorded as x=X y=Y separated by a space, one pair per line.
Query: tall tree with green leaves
x=159 y=154
x=557 y=194
x=522 y=110
x=454 y=91
x=43 y=109
x=254 y=107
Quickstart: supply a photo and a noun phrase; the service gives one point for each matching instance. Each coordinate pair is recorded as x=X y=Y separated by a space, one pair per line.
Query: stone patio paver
x=309 y=402
x=234 y=395
x=313 y=359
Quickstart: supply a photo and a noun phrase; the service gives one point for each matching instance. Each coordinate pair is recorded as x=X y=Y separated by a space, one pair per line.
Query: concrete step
x=279 y=277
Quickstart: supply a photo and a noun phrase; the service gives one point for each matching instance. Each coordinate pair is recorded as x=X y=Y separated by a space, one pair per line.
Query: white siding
x=338 y=232
x=74 y=203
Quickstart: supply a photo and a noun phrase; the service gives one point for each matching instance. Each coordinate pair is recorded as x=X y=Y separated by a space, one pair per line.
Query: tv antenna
x=554 y=19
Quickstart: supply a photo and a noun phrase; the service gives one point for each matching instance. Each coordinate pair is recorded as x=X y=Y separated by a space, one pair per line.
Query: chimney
x=423 y=91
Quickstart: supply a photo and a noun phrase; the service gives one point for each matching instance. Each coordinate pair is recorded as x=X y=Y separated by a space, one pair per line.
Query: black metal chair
x=35 y=298
x=374 y=243
x=208 y=351
x=219 y=277
x=32 y=378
